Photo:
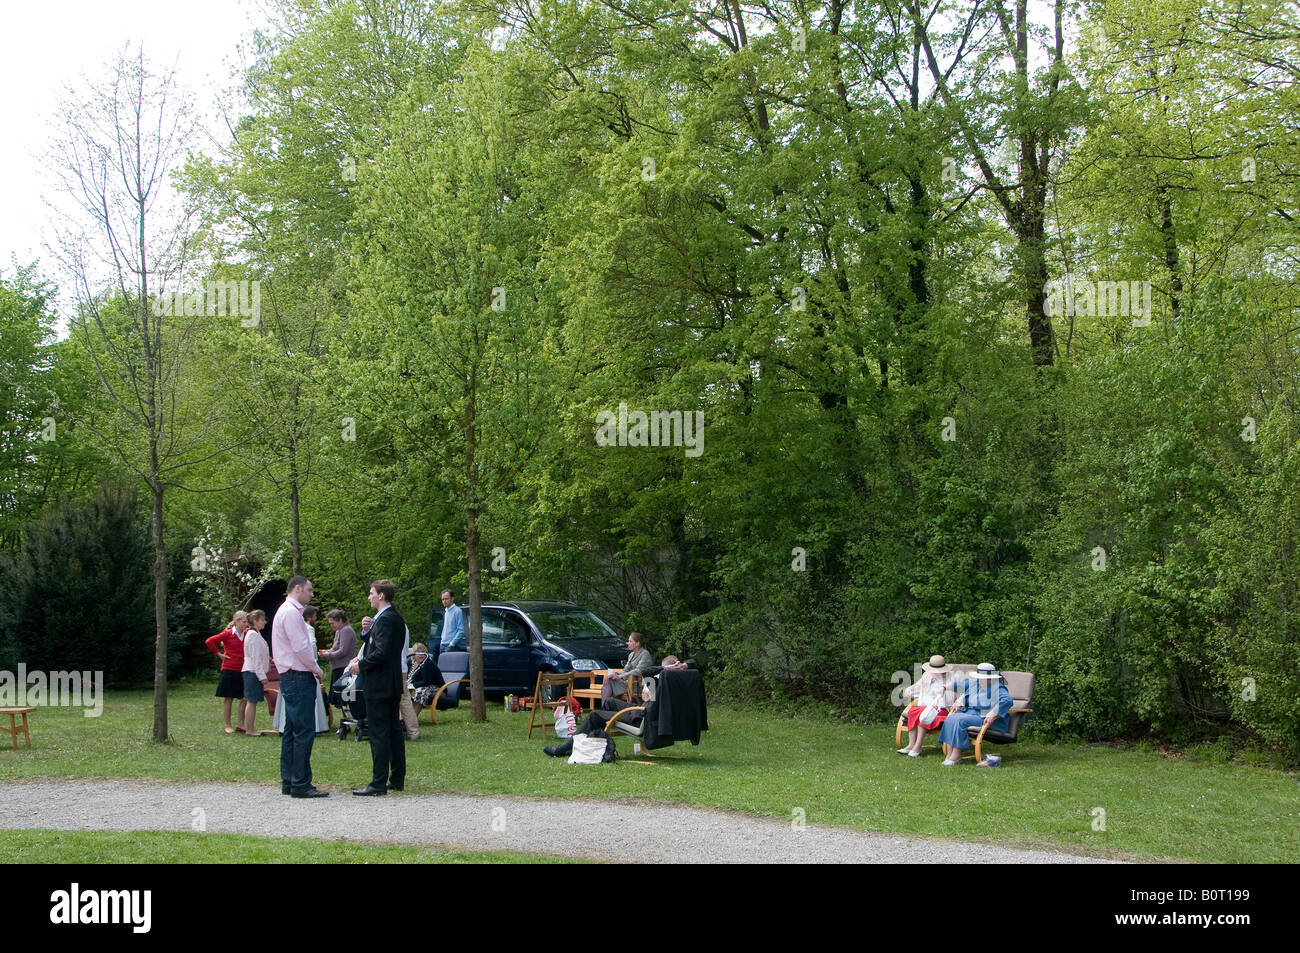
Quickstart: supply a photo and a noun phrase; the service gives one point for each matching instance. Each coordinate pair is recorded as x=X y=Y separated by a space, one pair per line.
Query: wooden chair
x=433 y=705
x=1020 y=685
x=635 y=731
x=620 y=721
x=538 y=705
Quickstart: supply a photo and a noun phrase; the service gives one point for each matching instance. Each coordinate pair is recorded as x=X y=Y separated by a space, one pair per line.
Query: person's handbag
x=929 y=715
x=565 y=723
x=589 y=749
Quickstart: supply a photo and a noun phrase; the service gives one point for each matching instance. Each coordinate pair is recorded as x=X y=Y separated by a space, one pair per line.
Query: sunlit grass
x=754 y=761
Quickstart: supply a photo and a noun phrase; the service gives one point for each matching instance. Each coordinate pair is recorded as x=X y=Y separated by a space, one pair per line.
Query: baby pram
x=347 y=695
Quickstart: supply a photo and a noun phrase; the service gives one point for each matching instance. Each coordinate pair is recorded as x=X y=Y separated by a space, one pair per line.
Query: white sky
x=50 y=44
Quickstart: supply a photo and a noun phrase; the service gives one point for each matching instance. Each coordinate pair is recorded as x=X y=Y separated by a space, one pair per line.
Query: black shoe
x=372 y=790
x=560 y=751
x=310 y=792
x=396 y=787
x=284 y=789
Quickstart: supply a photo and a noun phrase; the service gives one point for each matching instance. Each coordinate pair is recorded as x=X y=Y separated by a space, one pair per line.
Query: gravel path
x=573 y=828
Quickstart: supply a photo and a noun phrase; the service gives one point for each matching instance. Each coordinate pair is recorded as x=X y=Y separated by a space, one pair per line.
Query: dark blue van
x=521 y=639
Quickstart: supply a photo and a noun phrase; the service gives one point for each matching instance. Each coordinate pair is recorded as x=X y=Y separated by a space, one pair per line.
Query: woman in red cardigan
x=228 y=645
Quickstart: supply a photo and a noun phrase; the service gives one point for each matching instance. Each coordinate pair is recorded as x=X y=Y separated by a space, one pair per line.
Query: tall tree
x=125 y=245
x=1028 y=111
x=449 y=320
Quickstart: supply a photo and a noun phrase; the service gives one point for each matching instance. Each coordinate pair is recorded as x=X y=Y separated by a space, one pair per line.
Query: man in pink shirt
x=294 y=651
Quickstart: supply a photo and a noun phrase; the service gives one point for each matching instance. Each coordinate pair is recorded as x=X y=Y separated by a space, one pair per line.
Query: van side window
x=515 y=629
x=494 y=632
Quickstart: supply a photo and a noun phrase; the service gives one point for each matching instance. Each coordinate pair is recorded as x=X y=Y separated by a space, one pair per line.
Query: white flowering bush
x=227 y=572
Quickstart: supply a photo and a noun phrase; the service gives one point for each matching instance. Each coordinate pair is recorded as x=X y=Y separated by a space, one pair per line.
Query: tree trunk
x=1033 y=248
x=160 y=615
x=1172 y=264
x=478 y=704
x=295 y=539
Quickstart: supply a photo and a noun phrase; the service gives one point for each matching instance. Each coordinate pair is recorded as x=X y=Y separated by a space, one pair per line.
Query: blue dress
x=980 y=700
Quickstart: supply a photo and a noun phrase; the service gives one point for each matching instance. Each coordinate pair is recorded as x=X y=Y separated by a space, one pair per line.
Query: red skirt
x=914 y=715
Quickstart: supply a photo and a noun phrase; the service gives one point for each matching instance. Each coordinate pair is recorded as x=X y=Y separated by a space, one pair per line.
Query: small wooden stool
x=14 y=728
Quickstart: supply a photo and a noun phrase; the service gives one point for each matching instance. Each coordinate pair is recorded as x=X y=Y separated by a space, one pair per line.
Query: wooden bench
x=14 y=728
x=592 y=690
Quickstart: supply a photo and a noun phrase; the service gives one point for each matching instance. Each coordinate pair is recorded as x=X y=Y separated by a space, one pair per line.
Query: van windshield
x=571 y=625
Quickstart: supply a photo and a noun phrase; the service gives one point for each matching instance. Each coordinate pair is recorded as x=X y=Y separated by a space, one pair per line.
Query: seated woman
x=987 y=702
x=933 y=691
x=426 y=677
x=638 y=660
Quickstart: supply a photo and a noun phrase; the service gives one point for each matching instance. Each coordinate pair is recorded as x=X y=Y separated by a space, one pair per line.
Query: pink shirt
x=257 y=659
x=291 y=641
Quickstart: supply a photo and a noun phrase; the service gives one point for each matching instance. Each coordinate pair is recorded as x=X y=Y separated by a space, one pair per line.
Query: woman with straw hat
x=934 y=699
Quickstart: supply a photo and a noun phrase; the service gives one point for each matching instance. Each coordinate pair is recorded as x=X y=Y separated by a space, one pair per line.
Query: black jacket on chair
x=679 y=711
x=381 y=664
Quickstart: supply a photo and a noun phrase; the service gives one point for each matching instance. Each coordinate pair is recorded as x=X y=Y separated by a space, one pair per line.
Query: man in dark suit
x=380 y=666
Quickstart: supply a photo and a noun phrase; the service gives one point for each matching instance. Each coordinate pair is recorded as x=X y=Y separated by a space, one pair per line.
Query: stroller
x=349 y=698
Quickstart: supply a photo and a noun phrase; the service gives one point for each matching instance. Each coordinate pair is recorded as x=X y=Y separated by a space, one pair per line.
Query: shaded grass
x=752 y=761
x=173 y=847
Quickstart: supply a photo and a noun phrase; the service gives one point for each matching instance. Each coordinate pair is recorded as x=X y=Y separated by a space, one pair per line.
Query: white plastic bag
x=587 y=750
x=565 y=723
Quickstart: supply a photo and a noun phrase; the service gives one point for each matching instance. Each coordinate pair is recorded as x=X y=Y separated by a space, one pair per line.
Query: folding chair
x=538 y=704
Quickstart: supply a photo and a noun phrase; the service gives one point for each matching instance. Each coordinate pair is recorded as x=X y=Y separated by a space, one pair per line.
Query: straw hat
x=937 y=663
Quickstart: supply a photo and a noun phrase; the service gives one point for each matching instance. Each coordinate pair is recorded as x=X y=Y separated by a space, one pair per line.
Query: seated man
x=986 y=701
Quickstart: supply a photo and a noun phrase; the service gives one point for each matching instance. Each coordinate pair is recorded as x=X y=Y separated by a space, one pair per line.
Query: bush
x=78 y=595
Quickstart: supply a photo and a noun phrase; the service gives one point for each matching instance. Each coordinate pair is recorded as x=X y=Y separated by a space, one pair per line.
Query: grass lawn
x=757 y=762
x=182 y=847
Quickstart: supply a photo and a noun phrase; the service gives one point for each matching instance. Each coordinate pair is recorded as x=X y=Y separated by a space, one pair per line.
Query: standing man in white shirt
x=294 y=651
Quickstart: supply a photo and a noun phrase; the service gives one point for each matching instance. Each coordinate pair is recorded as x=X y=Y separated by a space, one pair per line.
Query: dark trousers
x=298 y=696
x=387 y=741
x=599 y=717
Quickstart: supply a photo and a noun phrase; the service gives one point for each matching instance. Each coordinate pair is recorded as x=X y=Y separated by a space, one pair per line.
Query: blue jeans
x=298 y=696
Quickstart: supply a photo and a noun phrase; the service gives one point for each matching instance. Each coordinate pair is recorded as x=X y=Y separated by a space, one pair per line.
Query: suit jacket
x=381 y=665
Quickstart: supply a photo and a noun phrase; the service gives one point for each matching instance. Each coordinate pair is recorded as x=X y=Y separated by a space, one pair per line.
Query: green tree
x=449 y=323
x=118 y=146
